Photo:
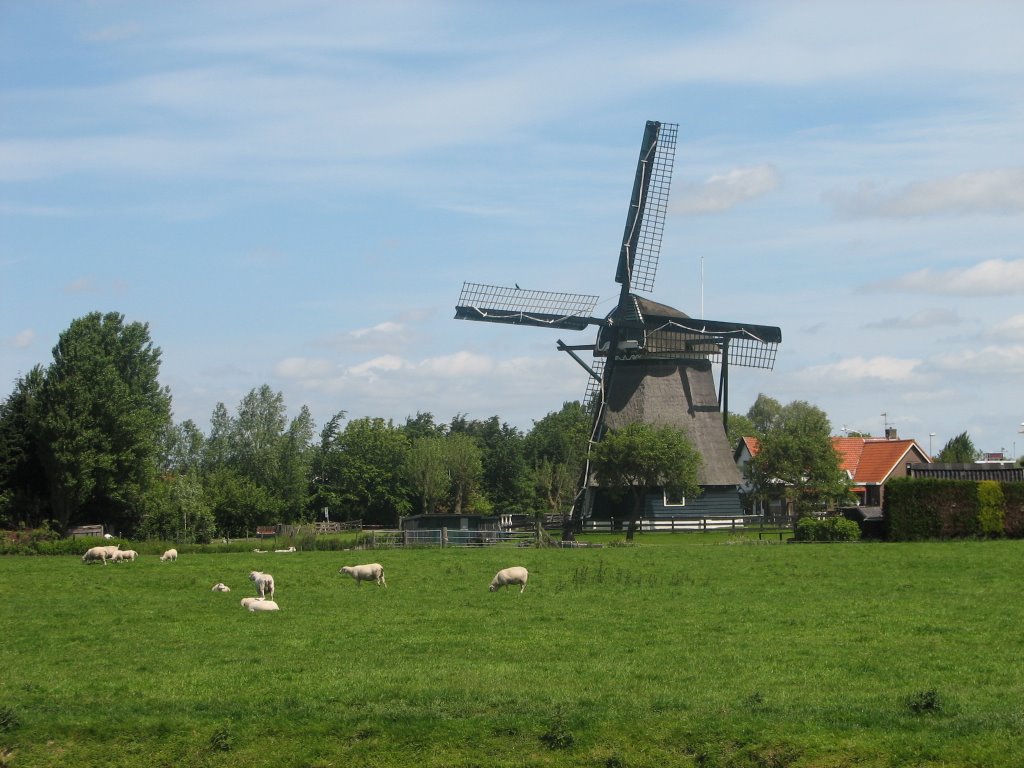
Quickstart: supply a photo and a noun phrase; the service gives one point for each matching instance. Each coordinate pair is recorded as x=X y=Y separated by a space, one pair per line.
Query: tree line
x=90 y=438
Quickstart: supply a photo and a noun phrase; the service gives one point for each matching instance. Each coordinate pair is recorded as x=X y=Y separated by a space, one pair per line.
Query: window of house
x=674 y=499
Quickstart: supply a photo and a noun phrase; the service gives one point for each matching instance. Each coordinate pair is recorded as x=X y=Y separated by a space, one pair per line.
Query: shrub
x=827 y=529
x=990 y=508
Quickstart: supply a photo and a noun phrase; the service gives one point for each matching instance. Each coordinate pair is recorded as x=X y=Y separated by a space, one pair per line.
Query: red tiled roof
x=867 y=460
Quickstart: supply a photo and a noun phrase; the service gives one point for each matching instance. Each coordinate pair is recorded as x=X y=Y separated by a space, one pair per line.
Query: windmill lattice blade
x=478 y=301
x=647 y=232
x=592 y=398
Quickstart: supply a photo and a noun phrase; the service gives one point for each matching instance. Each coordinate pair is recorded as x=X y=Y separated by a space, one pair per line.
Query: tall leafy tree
x=797 y=462
x=740 y=426
x=764 y=414
x=959 y=450
x=503 y=481
x=23 y=490
x=556 y=450
x=464 y=460
x=426 y=466
x=372 y=483
x=99 y=416
x=635 y=460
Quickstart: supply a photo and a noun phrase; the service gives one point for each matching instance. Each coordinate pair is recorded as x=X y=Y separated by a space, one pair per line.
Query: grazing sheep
x=368 y=572
x=170 y=554
x=95 y=553
x=263 y=605
x=124 y=554
x=264 y=583
x=220 y=587
x=514 y=575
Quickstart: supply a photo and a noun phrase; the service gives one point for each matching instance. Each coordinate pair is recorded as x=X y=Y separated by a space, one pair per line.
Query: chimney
x=890 y=433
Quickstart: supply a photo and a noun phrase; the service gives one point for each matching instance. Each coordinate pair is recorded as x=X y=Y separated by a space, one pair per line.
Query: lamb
x=124 y=554
x=263 y=605
x=245 y=602
x=514 y=575
x=170 y=554
x=264 y=583
x=368 y=572
x=220 y=587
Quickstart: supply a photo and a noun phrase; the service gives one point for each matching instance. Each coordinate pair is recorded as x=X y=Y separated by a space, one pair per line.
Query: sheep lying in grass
x=245 y=602
x=290 y=549
x=514 y=575
x=220 y=587
x=263 y=605
x=368 y=572
x=264 y=583
x=170 y=554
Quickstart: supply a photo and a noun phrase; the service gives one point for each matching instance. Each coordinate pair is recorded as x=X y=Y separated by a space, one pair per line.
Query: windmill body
x=650 y=362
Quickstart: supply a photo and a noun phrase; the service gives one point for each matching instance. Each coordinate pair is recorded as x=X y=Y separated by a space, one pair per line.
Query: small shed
x=85 y=531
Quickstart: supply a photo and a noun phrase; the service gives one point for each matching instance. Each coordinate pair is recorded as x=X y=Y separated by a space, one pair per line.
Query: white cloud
x=861 y=368
x=925 y=318
x=387 y=328
x=303 y=368
x=991 y=360
x=987 y=192
x=724 y=191
x=1010 y=329
x=994 y=277
x=22 y=339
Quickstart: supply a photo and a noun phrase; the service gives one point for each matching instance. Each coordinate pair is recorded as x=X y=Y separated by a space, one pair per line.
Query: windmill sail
x=645 y=222
x=518 y=306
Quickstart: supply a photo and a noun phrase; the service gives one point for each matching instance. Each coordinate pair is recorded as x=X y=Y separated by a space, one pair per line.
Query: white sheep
x=170 y=554
x=95 y=553
x=264 y=583
x=368 y=572
x=245 y=602
x=514 y=575
x=220 y=587
x=124 y=554
x=290 y=549
x=263 y=605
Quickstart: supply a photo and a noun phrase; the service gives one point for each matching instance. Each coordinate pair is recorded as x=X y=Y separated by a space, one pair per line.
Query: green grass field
x=684 y=650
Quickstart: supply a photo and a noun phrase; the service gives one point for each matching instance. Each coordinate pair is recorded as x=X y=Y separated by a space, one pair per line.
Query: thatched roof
x=678 y=394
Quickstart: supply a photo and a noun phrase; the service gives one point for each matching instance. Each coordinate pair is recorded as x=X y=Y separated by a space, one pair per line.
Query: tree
x=764 y=414
x=99 y=417
x=465 y=467
x=23 y=491
x=370 y=468
x=503 y=479
x=639 y=458
x=959 y=450
x=556 y=450
x=797 y=461
x=428 y=475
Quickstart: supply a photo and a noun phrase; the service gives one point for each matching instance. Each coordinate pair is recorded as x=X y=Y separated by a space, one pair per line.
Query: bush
x=990 y=508
x=827 y=529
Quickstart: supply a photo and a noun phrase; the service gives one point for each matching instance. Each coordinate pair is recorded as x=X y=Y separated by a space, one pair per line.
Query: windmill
x=651 y=362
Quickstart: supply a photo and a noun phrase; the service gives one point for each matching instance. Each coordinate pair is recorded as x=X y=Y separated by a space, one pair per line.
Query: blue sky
x=293 y=193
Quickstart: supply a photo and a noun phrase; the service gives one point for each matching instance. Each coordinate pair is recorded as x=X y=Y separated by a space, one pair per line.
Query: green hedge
x=925 y=508
x=827 y=529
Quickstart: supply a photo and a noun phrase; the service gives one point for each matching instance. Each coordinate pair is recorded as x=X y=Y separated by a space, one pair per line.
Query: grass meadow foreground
x=684 y=650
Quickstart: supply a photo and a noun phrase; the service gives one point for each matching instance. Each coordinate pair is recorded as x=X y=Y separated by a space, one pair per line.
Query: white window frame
x=673 y=503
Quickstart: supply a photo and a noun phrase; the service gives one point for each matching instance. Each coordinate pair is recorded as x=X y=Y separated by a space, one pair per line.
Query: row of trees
x=91 y=438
